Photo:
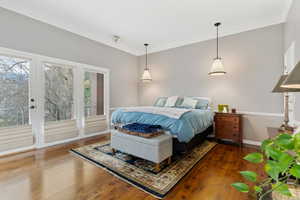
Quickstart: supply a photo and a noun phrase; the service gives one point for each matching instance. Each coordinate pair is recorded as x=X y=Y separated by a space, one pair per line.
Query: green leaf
x=295 y=171
x=285 y=141
x=242 y=187
x=265 y=143
x=297 y=142
x=257 y=189
x=282 y=188
x=285 y=160
x=273 y=169
x=254 y=157
x=273 y=152
x=250 y=176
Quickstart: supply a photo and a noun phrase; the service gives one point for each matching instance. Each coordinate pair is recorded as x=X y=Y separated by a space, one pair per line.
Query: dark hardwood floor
x=53 y=173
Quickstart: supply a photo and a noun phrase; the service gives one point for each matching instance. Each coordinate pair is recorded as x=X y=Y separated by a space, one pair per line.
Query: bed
x=188 y=126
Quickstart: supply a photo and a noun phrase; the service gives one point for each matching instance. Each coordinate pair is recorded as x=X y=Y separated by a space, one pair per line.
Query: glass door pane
x=95 y=121
x=59 y=103
x=93 y=94
x=15 y=119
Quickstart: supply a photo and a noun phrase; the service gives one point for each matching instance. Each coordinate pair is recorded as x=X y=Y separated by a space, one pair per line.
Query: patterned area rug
x=141 y=173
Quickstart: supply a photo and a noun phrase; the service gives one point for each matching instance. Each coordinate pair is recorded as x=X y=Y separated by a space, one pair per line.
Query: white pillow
x=171 y=101
x=189 y=102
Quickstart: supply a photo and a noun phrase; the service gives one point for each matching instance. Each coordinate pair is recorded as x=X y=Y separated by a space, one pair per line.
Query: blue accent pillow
x=202 y=104
x=189 y=102
x=160 y=102
x=179 y=102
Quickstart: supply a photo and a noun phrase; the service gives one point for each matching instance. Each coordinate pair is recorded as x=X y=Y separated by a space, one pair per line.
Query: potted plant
x=281 y=159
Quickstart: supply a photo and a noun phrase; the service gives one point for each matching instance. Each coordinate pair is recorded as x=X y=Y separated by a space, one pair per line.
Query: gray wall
x=292 y=33
x=29 y=35
x=253 y=61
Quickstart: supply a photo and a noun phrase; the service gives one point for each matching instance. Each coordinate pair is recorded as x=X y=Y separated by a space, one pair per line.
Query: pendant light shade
x=217 y=66
x=146 y=77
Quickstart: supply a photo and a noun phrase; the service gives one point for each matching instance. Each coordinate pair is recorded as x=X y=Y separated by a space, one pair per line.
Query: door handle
x=32 y=107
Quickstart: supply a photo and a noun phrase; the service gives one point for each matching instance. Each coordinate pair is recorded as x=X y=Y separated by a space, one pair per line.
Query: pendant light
x=217 y=66
x=146 y=78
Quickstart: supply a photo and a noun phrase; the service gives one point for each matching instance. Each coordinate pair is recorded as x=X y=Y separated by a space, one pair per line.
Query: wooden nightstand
x=228 y=126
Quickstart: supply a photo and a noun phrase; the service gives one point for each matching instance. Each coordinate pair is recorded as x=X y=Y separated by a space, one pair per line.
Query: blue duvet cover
x=184 y=128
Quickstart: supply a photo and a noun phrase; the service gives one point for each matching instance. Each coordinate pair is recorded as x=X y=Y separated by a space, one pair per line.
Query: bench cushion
x=154 y=149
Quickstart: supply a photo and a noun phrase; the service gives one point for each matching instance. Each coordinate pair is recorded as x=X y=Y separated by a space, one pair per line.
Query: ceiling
x=164 y=24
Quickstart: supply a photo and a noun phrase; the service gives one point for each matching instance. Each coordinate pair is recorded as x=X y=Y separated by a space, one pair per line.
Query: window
x=59 y=102
x=14 y=93
x=93 y=94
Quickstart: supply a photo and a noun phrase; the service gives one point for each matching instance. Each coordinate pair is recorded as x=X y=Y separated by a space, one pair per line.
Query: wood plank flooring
x=54 y=174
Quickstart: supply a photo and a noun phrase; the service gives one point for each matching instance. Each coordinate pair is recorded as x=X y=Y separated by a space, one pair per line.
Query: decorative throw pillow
x=189 y=103
x=171 y=101
x=179 y=102
x=202 y=104
x=160 y=102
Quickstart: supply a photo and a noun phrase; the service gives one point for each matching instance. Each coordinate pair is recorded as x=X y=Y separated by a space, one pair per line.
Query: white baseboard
x=19 y=150
x=73 y=139
x=251 y=142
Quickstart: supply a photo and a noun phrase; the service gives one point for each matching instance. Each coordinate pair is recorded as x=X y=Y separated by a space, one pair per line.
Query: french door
x=46 y=101
x=18 y=111
x=94 y=102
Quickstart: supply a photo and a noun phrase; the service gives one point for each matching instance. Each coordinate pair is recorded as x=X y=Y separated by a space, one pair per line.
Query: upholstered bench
x=156 y=149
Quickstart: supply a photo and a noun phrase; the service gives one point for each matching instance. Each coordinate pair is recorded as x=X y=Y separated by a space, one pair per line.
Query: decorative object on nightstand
x=229 y=126
x=224 y=108
x=279 y=89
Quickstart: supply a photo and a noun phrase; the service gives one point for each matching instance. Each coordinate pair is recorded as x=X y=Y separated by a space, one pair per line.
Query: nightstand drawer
x=228 y=126
x=225 y=132
x=227 y=119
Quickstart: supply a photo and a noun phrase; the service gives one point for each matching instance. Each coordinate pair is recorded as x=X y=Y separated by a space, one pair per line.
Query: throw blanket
x=175 y=113
x=142 y=128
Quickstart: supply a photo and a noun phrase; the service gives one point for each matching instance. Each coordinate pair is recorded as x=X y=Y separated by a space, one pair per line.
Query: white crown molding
x=176 y=44
x=287 y=9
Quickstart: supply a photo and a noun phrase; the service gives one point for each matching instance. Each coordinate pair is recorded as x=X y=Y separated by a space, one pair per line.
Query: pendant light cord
x=217 y=26
x=146 y=58
x=146 y=47
x=217 y=42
